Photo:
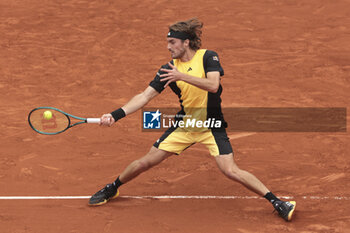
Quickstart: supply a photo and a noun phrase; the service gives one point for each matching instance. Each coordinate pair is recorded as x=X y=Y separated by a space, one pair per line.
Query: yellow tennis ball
x=47 y=115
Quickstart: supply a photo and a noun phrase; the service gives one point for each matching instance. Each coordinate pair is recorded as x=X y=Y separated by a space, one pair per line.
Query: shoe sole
x=106 y=200
x=290 y=215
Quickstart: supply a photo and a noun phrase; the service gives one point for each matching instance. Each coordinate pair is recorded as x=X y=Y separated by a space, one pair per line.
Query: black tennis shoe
x=101 y=197
x=285 y=209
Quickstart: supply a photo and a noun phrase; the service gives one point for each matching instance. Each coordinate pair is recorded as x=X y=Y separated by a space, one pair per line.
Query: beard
x=179 y=54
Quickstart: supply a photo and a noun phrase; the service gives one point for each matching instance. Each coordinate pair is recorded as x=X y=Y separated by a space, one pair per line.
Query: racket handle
x=93 y=120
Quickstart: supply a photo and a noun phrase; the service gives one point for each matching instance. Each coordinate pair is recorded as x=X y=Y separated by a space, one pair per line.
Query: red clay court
x=89 y=57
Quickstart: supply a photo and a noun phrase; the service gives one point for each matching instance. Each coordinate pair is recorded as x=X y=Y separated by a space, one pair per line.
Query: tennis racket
x=57 y=121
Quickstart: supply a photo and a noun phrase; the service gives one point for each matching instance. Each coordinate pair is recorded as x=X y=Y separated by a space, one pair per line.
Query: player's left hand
x=172 y=75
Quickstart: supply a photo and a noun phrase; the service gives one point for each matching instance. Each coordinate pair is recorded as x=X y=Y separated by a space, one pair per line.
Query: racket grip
x=93 y=120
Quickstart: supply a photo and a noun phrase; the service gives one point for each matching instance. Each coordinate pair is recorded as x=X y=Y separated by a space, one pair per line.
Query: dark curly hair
x=193 y=27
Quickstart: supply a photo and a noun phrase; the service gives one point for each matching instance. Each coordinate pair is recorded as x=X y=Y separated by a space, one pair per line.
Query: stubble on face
x=178 y=54
x=176 y=48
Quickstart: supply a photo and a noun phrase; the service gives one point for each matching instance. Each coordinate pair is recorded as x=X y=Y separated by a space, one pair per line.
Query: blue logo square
x=151 y=120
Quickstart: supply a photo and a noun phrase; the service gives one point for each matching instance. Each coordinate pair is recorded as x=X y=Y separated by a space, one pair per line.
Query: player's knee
x=232 y=173
x=142 y=165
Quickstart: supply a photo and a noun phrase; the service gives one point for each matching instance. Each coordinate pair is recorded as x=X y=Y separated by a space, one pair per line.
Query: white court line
x=168 y=197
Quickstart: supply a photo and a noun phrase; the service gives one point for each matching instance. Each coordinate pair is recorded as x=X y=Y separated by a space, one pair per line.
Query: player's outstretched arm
x=140 y=100
x=134 y=104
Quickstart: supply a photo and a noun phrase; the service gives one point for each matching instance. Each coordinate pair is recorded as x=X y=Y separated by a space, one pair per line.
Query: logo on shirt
x=189 y=69
x=215 y=58
x=151 y=120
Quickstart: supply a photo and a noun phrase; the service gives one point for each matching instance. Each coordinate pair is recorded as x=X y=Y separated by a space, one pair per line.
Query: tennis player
x=194 y=76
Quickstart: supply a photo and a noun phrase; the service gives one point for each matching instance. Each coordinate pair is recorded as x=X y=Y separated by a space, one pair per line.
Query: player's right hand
x=107 y=120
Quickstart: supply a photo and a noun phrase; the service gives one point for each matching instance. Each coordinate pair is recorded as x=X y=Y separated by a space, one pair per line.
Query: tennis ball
x=47 y=115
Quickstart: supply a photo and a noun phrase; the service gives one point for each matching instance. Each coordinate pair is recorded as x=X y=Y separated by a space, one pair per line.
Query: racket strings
x=56 y=123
